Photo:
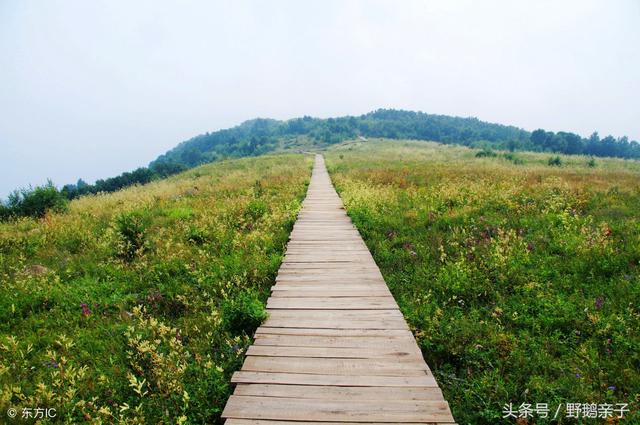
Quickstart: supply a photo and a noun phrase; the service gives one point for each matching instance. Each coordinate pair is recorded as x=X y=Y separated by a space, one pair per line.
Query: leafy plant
x=243 y=313
x=554 y=161
x=131 y=228
x=34 y=202
x=486 y=153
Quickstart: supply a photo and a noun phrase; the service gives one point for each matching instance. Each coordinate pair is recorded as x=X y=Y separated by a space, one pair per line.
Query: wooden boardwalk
x=335 y=348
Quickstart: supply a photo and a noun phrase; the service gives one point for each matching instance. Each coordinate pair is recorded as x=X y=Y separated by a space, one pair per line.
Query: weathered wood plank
x=351 y=303
x=248 y=377
x=270 y=422
x=362 y=342
x=262 y=330
x=330 y=293
x=396 y=353
x=333 y=366
x=282 y=408
x=340 y=393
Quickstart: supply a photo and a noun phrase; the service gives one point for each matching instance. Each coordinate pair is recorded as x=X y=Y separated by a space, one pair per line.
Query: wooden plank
x=333 y=332
x=282 y=408
x=351 y=303
x=345 y=315
x=330 y=293
x=332 y=380
x=333 y=272
x=333 y=366
x=340 y=393
x=331 y=323
x=362 y=342
x=328 y=286
x=336 y=280
x=338 y=276
x=396 y=353
x=232 y=421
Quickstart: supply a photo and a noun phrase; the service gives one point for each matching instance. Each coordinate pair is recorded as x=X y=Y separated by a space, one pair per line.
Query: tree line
x=263 y=135
x=259 y=136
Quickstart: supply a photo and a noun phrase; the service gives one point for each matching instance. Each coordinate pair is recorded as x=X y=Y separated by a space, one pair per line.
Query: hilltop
x=259 y=136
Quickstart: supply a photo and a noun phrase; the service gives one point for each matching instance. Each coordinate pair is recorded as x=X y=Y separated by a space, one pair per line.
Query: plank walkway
x=335 y=348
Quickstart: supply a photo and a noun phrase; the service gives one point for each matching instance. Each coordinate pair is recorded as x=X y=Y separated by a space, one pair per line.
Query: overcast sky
x=94 y=88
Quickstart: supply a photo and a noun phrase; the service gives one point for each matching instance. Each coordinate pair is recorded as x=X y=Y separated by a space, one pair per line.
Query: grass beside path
x=135 y=307
x=520 y=279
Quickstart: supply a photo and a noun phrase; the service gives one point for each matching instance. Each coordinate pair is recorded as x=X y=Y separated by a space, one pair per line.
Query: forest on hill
x=263 y=135
x=259 y=136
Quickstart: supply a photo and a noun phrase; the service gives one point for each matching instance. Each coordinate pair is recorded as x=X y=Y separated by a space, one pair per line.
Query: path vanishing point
x=335 y=348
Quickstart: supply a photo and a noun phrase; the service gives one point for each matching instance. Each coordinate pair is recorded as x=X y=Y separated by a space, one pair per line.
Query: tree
x=539 y=137
x=35 y=202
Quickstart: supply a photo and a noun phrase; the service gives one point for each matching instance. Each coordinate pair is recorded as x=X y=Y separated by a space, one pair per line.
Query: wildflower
x=85 y=310
x=599 y=302
x=612 y=388
x=52 y=364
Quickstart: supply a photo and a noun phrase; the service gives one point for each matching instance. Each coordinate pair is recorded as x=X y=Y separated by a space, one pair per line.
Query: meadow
x=137 y=306
x=518 y=273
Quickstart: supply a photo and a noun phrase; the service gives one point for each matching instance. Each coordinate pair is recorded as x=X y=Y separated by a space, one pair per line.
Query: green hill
x=260 y=136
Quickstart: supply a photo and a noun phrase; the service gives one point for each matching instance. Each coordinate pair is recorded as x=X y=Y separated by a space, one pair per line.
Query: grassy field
x=135 y=307
x=520 y=280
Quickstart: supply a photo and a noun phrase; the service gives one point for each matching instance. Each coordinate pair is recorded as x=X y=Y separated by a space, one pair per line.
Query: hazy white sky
x=93 y=88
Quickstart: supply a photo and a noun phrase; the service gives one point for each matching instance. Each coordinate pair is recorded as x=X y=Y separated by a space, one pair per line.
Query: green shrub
x=486 y=153
x=258 y=190
x=555 y=161
x=179 y=213
x=196 y=235
x=243 y=314
x=35 y=202
x=591 y=163
x=131 y=227
x=255 y=209
x=5 y=212
x=513 y=158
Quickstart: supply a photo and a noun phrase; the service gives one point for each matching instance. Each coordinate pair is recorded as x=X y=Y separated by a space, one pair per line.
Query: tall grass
x=520 y=280
x=124 y=309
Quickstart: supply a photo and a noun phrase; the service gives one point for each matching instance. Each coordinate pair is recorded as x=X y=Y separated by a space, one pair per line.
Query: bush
x=511 y=157
x=255 y=209
x=486 y=153
x=243 y=314
x=555 y=161
x=131 y=228
x=591 y=163
x=5 y=212
x=35 y=202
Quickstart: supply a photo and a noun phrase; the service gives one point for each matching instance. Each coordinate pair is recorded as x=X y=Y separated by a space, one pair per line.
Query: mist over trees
x=33 y=201
x=141 y=175
x=263 y=135
x=259 y=136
